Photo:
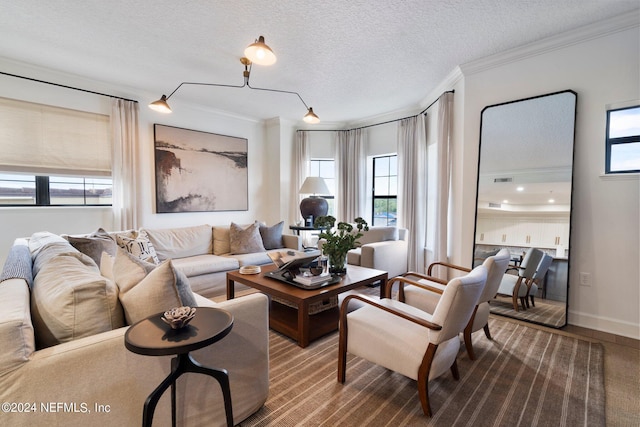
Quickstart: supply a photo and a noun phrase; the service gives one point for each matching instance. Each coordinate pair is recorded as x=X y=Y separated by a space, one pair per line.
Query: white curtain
x=412 y=186
x=350 y=166
x=439 y=179
x=300 y=170
x=124 y=135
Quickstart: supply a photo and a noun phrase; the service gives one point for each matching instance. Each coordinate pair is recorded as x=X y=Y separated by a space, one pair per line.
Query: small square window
x=623 y=140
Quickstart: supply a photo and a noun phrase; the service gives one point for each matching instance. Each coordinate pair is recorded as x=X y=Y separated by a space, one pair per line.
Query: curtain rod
x=67 y=87
x=378 y=124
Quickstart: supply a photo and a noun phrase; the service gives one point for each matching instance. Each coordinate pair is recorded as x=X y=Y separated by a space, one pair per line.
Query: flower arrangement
x=338 y=240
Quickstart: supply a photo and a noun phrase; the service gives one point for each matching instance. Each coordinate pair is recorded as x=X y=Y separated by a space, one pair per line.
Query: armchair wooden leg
x=342 y=344
x=515 y=302
x=454 y=370
x=423 y=378
x=467 y=335
x=533 y=303
x=524 y=302
x=487 y=332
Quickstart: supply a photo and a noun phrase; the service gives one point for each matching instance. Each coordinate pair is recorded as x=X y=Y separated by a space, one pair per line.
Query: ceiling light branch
x=161 y=105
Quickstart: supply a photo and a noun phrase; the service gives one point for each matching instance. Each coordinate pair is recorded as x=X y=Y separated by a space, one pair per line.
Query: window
x=385 y=190
x=326 y=169
x=31 y=190
x=623 y=140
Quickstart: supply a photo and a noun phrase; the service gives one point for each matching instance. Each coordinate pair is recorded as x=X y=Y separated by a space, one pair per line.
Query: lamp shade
x=311 y=117
x=259 y=53
x=314 y=185
x=161 y=105
x=314 y=206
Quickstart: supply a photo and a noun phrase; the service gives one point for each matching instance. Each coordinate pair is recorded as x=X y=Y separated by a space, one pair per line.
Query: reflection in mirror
x=525 y=174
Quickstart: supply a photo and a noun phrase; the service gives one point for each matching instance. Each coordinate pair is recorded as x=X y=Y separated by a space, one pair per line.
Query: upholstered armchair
x=424 y=291
x=517 y=286
x=407 y=340
x=383 y=248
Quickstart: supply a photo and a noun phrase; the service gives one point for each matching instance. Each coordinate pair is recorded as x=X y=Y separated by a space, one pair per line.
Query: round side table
x=153 y=337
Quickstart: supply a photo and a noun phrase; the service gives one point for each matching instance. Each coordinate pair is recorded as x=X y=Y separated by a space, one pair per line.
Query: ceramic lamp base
x=313 y=206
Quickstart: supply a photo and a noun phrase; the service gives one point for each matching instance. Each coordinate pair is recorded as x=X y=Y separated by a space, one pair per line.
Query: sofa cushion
x=41 y=239
x=378 y=234
x=137 y=243
x=146 y=289
x=272 y=236
x=205 y=264
x=353 y=256
x=255 y=258
x=94 y=244
x=181 y=242
x=74 y=304
x=245 y=240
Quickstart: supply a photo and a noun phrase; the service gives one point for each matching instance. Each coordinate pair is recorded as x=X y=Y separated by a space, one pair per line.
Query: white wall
x=606 y=215
x=20 y=222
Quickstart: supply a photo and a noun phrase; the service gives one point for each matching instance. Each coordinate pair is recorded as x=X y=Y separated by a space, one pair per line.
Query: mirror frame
x=571 y=204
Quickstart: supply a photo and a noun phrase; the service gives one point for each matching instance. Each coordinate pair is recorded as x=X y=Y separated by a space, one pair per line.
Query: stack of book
x=311 y=280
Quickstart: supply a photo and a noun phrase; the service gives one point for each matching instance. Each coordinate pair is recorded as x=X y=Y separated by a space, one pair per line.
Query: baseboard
x=604 y=324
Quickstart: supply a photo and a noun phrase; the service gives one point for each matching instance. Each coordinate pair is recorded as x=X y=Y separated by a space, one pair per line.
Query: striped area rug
x=546 y=312
x=524 y=377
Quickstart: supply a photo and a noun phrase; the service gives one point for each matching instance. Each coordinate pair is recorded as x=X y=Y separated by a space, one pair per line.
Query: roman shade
x=42 y=139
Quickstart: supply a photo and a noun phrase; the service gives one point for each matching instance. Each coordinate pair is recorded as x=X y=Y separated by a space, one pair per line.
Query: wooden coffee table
x=298 y=324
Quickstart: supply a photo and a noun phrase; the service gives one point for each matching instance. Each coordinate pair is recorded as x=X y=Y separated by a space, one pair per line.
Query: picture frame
x=198 y=171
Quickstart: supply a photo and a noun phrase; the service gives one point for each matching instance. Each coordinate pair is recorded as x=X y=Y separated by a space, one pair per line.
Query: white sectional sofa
x=63 y=361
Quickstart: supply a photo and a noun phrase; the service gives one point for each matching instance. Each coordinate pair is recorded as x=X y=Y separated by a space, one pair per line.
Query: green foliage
x=341 y=238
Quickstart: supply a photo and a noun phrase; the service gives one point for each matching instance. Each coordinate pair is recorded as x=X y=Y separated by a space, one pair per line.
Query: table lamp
x=313 y=206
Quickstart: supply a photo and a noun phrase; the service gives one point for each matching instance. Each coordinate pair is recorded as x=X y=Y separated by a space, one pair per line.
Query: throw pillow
x=74 y=304
x=137 y=244
x=272 y=236
x=94 y=244
x=146 y=289
x=39 y=240
x=245 y=240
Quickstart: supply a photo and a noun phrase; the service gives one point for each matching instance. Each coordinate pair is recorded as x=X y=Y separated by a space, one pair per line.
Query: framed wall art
x=199 y=171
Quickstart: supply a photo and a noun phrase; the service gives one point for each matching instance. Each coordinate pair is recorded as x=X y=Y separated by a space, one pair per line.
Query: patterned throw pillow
x=245 y=240
x=137 y=244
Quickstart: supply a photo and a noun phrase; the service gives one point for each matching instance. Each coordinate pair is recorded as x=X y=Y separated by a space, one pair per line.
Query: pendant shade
x=259 y=53
x=161 y=105
x=311 y=117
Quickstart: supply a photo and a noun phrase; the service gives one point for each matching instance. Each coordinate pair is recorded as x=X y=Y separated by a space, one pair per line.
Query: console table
x=153 y=337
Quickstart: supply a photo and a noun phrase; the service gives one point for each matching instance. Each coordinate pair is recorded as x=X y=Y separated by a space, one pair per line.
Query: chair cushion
x=245 y=240
x=181 y=242
x=146 y=289
x=94 y=244
x=75 y=304
x=272 y=236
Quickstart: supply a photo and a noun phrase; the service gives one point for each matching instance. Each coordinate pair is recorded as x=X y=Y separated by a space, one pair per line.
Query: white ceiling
x=348 y=60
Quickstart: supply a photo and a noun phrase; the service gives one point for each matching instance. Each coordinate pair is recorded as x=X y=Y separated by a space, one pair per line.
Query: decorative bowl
x=178 y=317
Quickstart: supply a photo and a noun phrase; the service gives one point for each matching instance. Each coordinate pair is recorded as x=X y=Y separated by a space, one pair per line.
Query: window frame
x=328 y=197
x=43 y=192
x=386 y=197
x=610 y=142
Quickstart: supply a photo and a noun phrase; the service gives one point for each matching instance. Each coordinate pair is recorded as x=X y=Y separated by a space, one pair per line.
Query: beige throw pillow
x=146 y=289
x=245 y=240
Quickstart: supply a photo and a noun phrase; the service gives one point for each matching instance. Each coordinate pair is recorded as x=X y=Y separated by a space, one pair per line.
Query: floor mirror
x=524 y=199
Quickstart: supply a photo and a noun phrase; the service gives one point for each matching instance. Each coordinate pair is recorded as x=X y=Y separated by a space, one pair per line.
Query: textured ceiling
x=349 y=60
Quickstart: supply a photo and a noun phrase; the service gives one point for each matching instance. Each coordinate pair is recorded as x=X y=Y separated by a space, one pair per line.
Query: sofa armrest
x=16 y=329
x=389 y=256
x=99 y=370
x=292 y=242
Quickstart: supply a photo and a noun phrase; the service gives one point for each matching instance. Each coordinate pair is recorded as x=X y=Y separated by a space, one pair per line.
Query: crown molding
x=579 y=35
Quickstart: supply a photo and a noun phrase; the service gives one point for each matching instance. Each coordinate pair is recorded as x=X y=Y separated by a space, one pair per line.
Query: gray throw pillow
x=245 y=240
x=94 y=244
x=272 y=236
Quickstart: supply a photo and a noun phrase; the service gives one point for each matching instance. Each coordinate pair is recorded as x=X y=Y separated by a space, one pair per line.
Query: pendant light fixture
x=259 y=53
x=256 y=53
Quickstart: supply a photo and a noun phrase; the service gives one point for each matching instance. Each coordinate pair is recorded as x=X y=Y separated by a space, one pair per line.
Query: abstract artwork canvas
x=199 y=171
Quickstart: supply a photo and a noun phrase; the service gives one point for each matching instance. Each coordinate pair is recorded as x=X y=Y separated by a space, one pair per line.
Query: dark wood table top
x=153 y=337
x=356 y=276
